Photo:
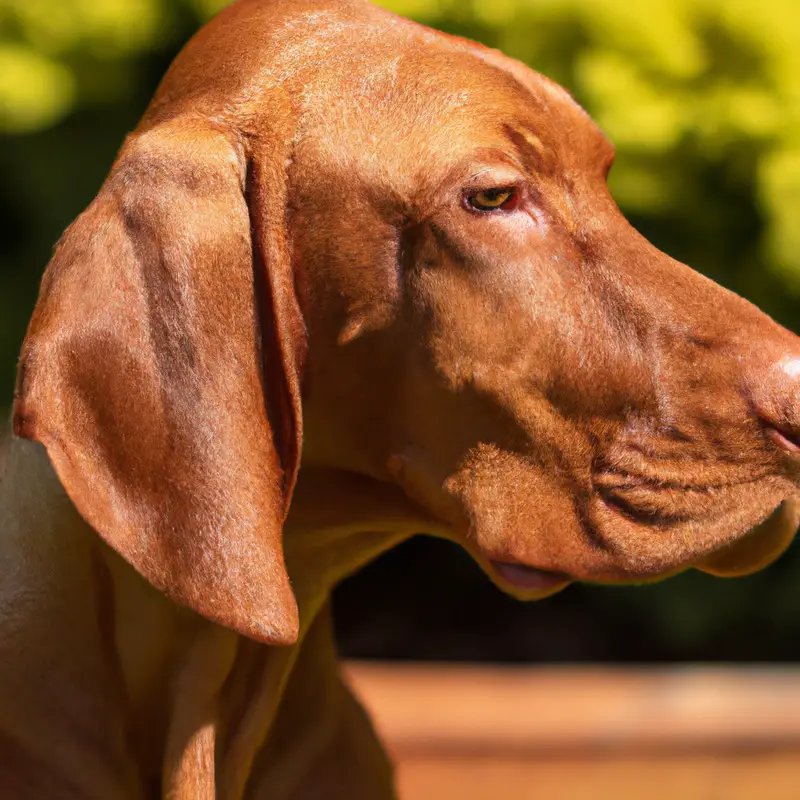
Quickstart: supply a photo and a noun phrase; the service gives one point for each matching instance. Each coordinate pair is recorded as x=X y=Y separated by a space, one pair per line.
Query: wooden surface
x=465 y=733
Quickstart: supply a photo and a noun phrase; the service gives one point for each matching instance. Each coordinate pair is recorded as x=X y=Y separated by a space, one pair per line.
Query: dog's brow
x=533 y=140
x=531 y=149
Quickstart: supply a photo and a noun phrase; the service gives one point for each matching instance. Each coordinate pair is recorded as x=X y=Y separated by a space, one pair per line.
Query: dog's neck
x=340 y=521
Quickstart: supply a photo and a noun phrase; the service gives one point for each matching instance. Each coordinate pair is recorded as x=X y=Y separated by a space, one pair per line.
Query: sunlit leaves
x=111 y=28
x=56 y=54
x=35 y=91
x=207 y=8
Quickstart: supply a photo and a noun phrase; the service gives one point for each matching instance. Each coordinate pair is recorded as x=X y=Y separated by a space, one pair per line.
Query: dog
x=341 y=241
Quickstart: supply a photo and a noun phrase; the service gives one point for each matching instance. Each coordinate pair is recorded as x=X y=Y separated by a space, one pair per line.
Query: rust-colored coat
x=296 y=261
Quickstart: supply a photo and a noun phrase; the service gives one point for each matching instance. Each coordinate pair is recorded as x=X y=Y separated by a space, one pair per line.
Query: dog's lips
x=757 y=549
x=530 y=579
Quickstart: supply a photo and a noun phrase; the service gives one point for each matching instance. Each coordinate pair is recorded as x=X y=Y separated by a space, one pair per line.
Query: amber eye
x=493 y=199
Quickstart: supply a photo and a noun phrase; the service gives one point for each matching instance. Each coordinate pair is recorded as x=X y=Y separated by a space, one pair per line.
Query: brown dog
x=339 y=229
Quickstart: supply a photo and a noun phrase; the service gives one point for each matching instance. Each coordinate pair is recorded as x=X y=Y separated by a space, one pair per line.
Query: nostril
x=788 y=441
x=775 y=401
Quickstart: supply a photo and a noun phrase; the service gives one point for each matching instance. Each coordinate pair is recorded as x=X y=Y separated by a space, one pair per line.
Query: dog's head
x=409 y=236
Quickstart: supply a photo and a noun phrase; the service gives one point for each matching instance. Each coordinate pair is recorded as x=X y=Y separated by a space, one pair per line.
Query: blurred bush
x=701 y=97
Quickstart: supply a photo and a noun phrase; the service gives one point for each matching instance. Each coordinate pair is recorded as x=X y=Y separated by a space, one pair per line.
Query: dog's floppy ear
x=161 y=373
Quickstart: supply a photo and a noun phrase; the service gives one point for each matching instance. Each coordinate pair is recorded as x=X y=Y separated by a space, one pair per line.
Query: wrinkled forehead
x=413 y=115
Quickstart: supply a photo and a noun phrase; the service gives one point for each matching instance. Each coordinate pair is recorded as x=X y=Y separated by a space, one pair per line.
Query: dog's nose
x=772 y=376
x=776 y=401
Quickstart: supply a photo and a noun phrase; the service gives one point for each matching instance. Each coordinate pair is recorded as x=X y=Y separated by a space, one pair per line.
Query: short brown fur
x=281 y=340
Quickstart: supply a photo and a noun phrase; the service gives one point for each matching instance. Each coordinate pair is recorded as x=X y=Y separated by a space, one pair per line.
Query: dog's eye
x=493 y=200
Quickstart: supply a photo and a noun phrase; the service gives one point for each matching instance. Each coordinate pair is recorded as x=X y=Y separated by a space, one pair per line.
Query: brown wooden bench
x=463 y=732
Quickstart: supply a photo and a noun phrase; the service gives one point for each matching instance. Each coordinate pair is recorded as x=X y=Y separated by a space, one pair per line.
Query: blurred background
x=701 y=98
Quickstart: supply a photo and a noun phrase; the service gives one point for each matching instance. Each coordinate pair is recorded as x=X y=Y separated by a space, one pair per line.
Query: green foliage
x=58 y=54
x=701 y=98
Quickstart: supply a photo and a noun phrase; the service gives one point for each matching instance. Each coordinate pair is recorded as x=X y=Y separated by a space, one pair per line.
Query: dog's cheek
x=518 y=511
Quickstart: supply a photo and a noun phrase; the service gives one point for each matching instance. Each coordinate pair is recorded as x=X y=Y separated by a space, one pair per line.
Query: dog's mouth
x=754 y=551
x=530 y=580
x=637 y=519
